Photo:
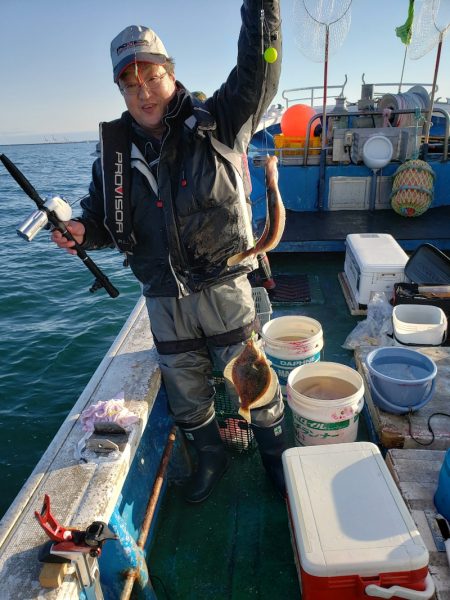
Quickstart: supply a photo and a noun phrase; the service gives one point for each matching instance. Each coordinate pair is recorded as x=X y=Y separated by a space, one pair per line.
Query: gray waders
x=193 y=336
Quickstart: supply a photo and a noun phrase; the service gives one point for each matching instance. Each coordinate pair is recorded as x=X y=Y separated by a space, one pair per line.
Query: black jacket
x=199 y=217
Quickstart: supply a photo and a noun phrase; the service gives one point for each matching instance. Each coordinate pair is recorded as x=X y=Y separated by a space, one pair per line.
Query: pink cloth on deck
x=113 y=410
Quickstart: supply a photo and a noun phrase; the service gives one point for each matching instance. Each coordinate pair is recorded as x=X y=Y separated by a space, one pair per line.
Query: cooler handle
x=401 y=592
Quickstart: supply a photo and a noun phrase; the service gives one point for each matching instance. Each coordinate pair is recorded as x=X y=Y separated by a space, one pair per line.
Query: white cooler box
x=373 y=263
x=352 y=533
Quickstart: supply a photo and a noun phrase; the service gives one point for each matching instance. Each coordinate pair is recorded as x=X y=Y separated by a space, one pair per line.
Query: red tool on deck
x=69 y=540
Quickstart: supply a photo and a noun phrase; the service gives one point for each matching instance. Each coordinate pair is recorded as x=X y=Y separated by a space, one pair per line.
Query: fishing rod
x=54 y=211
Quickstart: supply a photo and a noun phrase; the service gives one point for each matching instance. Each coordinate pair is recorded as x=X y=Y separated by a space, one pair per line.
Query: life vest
x=120 y=155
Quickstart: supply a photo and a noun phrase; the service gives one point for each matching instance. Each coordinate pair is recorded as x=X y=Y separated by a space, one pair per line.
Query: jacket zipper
x=182 y=289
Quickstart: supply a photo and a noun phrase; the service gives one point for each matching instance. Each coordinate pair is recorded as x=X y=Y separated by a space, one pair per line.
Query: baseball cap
x=136 y=44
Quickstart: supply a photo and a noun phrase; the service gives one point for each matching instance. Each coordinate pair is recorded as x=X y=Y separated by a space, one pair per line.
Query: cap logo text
x=131 y=44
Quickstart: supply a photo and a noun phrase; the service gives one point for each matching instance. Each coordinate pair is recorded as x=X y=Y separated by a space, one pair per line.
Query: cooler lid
x=348 y=516
x=428 y=265
x=376 y=251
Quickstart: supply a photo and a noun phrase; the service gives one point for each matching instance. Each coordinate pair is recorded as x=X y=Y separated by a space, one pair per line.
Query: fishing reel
x=54 y=213
x=56 y=207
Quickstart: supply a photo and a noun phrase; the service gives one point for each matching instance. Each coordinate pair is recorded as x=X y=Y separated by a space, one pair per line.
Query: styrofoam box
x=350 y=526
x=373 y=263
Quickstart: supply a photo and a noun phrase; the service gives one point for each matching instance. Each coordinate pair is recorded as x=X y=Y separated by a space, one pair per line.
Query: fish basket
x=235 y=432
x=295 y=146
x=263 y=306
x=412 y=190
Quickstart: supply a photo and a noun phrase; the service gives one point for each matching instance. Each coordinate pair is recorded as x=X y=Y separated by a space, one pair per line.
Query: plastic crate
x=235 y=432
x=262 y=304
x=295 y=146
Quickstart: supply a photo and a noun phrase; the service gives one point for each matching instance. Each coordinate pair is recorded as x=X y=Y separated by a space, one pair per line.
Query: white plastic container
x=419 y=324
x=373 y=263
x=291 y=341
x=319 y=418
x=352 y=533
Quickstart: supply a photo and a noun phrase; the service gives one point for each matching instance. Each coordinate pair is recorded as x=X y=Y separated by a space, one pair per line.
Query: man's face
x=147 y=89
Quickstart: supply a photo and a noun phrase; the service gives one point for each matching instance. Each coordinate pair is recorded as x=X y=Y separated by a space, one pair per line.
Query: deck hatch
x=296 y=289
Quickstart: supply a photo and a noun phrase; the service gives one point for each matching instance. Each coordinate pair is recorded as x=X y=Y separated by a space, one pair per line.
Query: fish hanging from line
x=253 y=378
x=275 y=217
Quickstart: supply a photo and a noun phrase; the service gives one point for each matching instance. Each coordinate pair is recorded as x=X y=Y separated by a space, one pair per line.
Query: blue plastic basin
x=401 y=379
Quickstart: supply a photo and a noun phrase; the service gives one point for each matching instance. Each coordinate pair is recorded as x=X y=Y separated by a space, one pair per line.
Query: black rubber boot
x=213 y=460
x=272 y=442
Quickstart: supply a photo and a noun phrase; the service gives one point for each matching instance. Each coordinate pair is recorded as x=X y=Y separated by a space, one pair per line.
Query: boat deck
x=416 y=473
x=327 y=230
x=236 y=545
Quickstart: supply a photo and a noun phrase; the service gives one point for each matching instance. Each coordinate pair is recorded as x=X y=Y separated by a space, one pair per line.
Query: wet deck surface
x=236 y=545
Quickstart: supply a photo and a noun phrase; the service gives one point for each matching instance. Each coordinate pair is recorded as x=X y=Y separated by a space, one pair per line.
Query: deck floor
x=309 y=230
x=236 y=545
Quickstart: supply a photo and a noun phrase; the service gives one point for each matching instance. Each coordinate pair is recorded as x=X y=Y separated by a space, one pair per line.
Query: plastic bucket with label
x=326 y=399
x=291 y=341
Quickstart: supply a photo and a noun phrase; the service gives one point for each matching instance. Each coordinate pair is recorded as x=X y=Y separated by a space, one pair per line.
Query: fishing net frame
x=324 y=25
x=315 y=19
x=429 y=30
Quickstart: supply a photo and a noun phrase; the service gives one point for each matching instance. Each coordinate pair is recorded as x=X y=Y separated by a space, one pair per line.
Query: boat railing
x=303 y=155
x=377 y=93
x=310 y=93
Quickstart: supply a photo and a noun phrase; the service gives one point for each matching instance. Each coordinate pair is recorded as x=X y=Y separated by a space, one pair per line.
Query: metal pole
x=323 y=152
x=403 y=69
x=150 y=510
x=433 y=92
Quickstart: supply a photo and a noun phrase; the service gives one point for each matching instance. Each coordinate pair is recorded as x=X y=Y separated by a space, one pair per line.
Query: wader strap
x=179 y=346
x=229 y=338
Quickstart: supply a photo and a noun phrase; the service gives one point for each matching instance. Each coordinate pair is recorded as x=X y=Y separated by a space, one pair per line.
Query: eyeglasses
x=151 y=84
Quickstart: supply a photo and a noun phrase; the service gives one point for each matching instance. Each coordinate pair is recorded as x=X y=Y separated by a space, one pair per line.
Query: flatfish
x=275 y=217
x=254 y=380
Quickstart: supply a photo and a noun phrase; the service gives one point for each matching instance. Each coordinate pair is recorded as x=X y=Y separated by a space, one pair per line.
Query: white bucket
x=290 y=342
x=325 y=418
x=419 y=324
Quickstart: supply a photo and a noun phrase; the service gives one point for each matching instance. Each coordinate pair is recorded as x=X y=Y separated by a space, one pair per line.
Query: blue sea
x=53 y=331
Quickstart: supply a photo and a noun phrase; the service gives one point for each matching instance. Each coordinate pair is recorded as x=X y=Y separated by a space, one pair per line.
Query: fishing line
x=136 y=71
x=269 y=55
x=77 y=200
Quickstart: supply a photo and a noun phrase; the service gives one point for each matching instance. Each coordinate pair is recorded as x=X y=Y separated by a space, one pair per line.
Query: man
x=170 y=191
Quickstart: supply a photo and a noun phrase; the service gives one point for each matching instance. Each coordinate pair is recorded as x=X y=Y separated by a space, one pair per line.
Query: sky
x=56 y=69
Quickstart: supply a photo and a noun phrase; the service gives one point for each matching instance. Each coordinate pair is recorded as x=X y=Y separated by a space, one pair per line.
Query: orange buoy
x=295 y=119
